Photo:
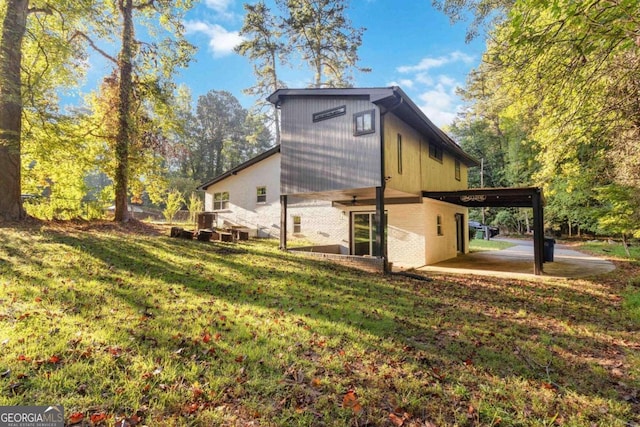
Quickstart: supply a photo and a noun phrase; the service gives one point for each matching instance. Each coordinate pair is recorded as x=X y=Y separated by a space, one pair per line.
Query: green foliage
x=619 y=213
x=173 y=203
x=545 y=99
x=195 y=206
x=325 y=38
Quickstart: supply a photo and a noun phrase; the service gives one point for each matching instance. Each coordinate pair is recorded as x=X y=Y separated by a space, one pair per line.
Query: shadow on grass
x=572 y=340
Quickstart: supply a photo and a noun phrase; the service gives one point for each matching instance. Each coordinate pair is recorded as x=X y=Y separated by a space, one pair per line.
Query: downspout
x=381 y=242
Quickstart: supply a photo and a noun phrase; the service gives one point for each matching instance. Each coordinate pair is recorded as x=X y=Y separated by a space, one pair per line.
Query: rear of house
x=350 y=172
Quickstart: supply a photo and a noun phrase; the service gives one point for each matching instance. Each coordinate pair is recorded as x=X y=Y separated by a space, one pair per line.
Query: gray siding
x=325 y=155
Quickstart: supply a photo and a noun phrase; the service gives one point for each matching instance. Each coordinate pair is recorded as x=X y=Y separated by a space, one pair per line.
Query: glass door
x=362 y=234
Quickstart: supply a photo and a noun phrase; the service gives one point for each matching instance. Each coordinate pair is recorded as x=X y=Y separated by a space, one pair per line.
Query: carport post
x=538 y=233
x=283 y=222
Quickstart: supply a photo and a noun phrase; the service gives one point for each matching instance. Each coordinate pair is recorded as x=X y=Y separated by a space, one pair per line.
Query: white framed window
x=364 y=122
x=439 y=225
x=221 y=200
x=261 y=194
x=297 y=224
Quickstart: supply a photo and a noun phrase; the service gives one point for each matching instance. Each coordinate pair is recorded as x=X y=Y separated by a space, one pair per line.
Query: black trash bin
x=549 y=243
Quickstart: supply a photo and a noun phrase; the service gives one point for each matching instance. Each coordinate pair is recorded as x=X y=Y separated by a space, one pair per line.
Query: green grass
x=122 y=323
x=611 y=249
x=479 y=245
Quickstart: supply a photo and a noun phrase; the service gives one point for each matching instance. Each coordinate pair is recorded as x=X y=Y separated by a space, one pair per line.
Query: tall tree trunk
x=124 y=112
x=276 y=110
x=13 y=30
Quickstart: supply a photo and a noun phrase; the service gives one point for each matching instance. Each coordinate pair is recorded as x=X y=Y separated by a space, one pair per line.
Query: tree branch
x=93 y=45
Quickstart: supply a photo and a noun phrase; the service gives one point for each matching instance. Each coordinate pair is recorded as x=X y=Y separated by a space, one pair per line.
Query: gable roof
x=234 y=171
x=388 y=99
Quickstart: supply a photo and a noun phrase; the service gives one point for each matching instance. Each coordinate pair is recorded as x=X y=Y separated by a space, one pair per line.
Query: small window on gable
x=399 y=154
x=457 y=169
x=297 y=224
x=364 y=123
x=221 y=200
x=261 y=195
x=435 y=153
x=439 y=225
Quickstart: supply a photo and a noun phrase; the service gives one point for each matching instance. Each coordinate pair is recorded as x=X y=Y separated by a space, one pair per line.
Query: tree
x=620 y=212
x=320 y=31
x=142 y=71
x=264 y=46
x=220 y=119
x=486 y=13
x=14 y=26
x=549 y=66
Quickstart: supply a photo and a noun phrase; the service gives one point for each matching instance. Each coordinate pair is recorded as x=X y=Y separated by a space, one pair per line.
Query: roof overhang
x=240 y=167
x=522 y=197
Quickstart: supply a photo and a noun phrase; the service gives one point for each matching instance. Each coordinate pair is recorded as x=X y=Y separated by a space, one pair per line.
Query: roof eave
x=234 y=171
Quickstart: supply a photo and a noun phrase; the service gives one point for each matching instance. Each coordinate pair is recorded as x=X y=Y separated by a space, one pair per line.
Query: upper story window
x=297 y=224
x=261 y=194
x=399 y=154
x=435 y=152
x=439 y=225
x=364 y=122
x=221 y=200
x=457 y=170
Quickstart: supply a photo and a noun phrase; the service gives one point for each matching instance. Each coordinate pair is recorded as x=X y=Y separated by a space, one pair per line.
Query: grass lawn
x=479 y=245
x=124 y=325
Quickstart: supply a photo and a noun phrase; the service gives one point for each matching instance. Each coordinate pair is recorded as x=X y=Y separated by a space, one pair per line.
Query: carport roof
x=521 y=197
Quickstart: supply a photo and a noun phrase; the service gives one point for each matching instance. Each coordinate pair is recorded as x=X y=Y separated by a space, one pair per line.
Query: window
x=399 y=154
x=221 y=200
x=435 y=152
x=439 y=225
x=364 y=123
x=261 y=195
x=458 y=170
x=329 y=114
x=297 y=224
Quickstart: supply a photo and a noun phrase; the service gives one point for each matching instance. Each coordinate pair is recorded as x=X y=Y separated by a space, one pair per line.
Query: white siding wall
x=321 y=224
x=440 y=248
x=406 y=235
x=244 y=210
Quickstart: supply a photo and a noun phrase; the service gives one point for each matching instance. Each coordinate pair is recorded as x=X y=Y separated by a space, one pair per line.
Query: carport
x=525 y=197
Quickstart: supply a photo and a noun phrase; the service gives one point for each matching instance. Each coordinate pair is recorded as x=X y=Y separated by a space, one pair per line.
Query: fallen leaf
x=316 y=382
x=54 y=359
x=76 y=417
x=396 y=420
x=206 y=338
x=98 y=417
x=350 y=401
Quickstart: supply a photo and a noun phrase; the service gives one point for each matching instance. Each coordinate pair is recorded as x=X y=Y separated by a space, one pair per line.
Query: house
x=352 y=171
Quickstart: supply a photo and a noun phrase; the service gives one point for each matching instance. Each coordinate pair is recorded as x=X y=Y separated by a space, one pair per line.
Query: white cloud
x=221 y=41
x=220 y=6
x=429 y=63
x=447 y=81
x=403 y=83
x=440 y=105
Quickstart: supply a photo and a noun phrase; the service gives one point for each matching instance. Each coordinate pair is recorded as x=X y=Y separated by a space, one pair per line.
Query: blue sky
x=406 y=43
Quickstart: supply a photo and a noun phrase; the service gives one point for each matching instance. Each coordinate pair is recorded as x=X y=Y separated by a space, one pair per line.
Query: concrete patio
x=517 y=261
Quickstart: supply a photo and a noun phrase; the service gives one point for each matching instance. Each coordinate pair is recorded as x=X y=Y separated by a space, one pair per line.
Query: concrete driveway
x=517 y=261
